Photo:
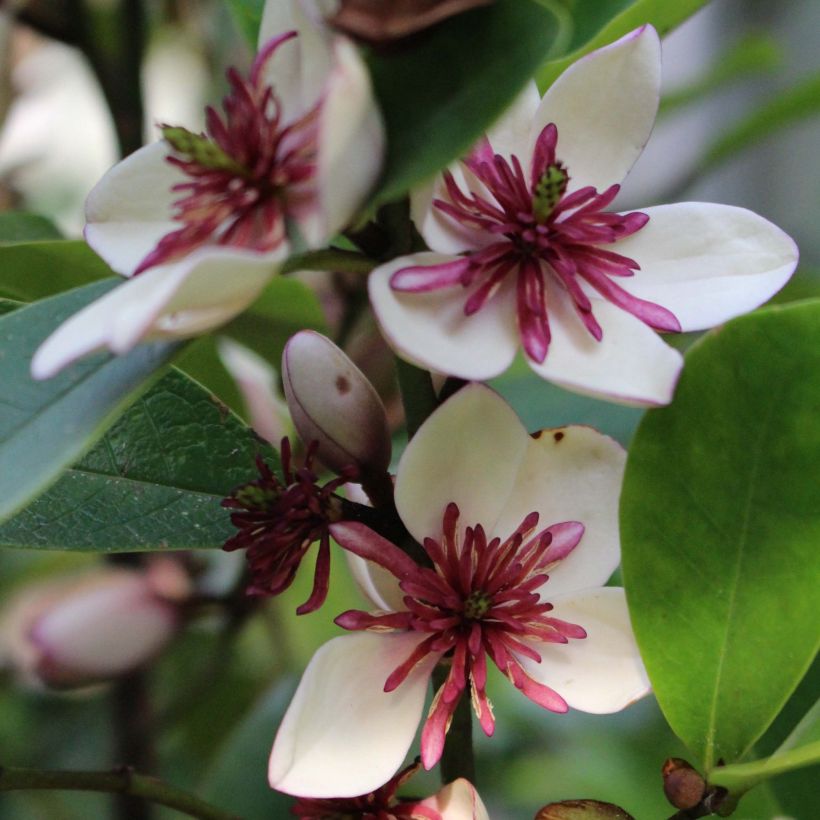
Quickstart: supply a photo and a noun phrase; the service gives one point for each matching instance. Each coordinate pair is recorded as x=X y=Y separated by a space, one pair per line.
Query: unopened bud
x=331 y=402
x=72 y=633
x=683 y=786
x=582 y=810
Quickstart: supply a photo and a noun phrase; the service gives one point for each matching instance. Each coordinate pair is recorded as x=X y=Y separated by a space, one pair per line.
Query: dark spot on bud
x=342 y=384
x=683 y=786
x=558 y=436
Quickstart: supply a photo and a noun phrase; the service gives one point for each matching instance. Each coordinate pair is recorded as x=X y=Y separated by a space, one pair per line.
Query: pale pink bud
x=332 y=402
x=88 y=629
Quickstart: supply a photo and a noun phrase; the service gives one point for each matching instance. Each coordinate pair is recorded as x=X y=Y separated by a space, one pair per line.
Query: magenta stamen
x=481 y=597
x=537 y=231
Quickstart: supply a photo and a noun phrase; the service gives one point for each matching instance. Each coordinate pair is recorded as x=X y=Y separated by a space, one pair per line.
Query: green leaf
x=720 y=525
x=46 y=426
x=801 y=748
x=440 y=93
x=238 y=776
x=35 y=270
x=154 y=481
x=595 y=21
x=248 y=16
x=19 y=226
x=785 y=108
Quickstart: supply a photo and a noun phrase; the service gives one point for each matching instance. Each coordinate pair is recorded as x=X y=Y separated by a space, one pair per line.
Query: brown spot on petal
x=558 y=436
x=536 y=435
x=342 y=384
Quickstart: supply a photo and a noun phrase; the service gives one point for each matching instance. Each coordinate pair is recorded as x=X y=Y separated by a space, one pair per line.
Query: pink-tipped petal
x=431 y=330
x=603 y=672
x=458 y=801
x=342 y=735
x=708 y=263
x=468 y=452
x=604 y=106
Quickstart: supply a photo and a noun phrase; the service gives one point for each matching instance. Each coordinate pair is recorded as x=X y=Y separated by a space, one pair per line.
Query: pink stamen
x=269 y=180
x=535 y=238
x=479 y=599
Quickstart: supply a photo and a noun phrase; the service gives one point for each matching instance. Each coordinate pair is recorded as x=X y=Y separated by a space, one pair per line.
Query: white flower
x=522 y=534
x=200 y=224
x=522 y=247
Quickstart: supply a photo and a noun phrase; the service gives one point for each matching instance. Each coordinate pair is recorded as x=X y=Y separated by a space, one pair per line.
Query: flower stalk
x=123 y=781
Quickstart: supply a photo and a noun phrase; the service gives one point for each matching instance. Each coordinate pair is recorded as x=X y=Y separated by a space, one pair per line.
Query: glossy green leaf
x=801 y=749
x=442 y=90
x=596 y=22
x=720 y=525
x=33 y=270
x=19 y=226
x=154 y=481
x=46 y=426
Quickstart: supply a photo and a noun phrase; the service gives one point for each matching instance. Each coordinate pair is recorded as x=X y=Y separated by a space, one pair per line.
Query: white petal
x=377 y=584
x=442 y=233
x=130 y=208
x=510 y=134
x=258 y=383
x=201 y=292
x=458 y=801
x=468 y=451
x=343 y=735
x=630 y=365
x=603 y=672
x=604 y=106
x=351 y=139
x=431 y=330
x=299 y=68
x=707 y=263
x=571 y=474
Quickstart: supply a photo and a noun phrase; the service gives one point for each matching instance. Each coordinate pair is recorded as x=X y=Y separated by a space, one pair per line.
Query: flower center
x=530 y=229
x=477 y=605
x=279 y=519
x=247 y=177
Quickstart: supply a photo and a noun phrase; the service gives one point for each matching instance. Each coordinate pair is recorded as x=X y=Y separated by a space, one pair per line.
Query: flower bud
x=332 y=402
x=75 y=632
x=683 y=786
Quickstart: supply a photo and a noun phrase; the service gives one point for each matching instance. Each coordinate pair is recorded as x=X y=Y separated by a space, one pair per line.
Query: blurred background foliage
x=738 y=125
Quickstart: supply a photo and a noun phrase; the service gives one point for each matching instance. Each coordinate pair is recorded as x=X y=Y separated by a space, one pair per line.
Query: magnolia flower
x=523 y=247
x=521 y=534
x=457 y=801
x=200 y=223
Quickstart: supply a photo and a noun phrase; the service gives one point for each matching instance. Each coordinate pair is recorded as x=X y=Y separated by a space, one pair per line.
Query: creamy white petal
x=571 y=474
x=708 y=263
x=604 y=106
x=376 y=583
x=511 y=133
x=342 y=734
x=458 y=801
x=201 y=292
x=351 y=139
x=630 y=365
x=431 y=330
x=130 y=209
x=441 y=233
x=468 y=451
x=603 y=672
